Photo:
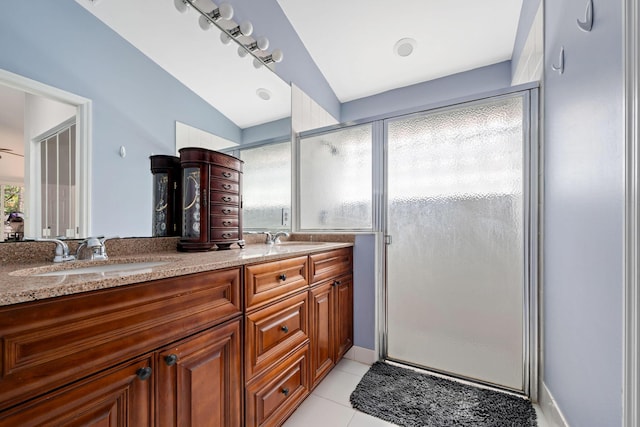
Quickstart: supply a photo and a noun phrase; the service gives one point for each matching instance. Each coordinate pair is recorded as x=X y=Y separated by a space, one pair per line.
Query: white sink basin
x=122 y=269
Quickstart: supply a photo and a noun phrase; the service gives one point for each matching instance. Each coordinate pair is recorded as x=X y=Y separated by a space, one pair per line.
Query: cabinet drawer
x=272 y=397
x=225 y=198
x=330 y=264
x=228 y=174
x=222 y=210
x=216 y=184
x=266 y=282
x=50 y=343
x=112 y=398
x=274 y=331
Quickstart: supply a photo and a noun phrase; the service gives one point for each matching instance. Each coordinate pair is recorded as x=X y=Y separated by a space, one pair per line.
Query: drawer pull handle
x=337 y=283
x=226 y=211
x=143 y=373
x=283 y=277
x=285 y=391
x=284 y=329
x=171 y=359
x=226 y=235
x=226 y=174
x=226 y=199
x=226 y=186
x=226 y=223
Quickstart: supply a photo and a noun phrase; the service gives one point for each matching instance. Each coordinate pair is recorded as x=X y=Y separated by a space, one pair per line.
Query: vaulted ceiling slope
x=352 y=42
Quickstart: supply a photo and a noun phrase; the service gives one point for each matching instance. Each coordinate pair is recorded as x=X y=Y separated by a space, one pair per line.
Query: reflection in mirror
x=189 y=136
x=43 y=160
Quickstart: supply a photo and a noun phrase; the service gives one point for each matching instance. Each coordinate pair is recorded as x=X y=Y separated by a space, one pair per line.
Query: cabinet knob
x=226 y=186
x=226 y=235
x=226 y=211
x=283 y=277
x=336 y=283
x=285 y=391
x=171 y=359
x=226 y=174
x=284 y=329
x=226 y=223
x=143 y=373
x=226 y=199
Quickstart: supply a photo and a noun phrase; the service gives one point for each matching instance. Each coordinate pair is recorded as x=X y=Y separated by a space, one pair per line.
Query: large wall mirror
x=256 y=102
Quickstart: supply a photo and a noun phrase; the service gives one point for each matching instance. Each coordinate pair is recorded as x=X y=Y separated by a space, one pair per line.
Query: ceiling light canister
x=404 y=47
x=263 y=94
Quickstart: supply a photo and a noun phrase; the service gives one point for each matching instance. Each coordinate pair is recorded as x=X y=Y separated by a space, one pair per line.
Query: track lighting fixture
x=241 y=33
x=224 y=11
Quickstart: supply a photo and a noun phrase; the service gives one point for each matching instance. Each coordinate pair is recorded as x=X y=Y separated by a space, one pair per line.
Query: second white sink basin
x=108 y=269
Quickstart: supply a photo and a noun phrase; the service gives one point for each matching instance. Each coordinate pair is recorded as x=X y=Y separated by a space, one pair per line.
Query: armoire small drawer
x=223 y=222
x=217 y=173
x=225 y=186
x=224 y=198
x=273 y=331
x=224 y=210
x=269 y=281
x=224 y=234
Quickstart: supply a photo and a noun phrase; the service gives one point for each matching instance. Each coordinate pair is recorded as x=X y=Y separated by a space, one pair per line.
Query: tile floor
x=328 y=405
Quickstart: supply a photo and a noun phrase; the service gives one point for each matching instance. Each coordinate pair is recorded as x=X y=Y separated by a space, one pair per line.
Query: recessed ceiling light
x=263 y=94
x=404 y=47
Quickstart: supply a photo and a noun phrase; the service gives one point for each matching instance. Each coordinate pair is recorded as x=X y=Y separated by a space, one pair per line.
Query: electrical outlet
x=286 y=217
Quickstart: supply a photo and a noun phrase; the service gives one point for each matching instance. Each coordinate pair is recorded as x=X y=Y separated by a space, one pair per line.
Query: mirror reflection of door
x=31 y=112
x=58 y=190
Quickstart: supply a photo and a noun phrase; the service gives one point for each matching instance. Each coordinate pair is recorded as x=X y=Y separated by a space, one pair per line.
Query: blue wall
x=583 y=213
x=135 y=102
x=480 y=80
x=364 y=291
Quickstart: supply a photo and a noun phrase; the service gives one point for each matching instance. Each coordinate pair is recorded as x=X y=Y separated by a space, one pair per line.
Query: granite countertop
x=18 y=282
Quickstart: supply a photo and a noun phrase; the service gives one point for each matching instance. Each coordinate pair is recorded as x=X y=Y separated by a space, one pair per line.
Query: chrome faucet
x=62 y=250
x=92 y=248
x=274 y=238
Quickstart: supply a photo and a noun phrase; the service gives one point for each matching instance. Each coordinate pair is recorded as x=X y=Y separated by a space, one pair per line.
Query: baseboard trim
x=550 y=408
x=362 y=355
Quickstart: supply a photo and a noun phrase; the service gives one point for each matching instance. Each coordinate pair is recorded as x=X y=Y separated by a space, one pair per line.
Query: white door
x=457 y=263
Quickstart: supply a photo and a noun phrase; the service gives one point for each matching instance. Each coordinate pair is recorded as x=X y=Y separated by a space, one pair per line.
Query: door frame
x=631 y=302
x=83 y=151
x=532 y=216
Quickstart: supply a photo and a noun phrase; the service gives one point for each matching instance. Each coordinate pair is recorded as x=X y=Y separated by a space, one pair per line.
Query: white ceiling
x=197 y=58
x=352 y=41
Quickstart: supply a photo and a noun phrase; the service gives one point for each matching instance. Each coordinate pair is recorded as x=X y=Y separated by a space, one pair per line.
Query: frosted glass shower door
x=456 y=264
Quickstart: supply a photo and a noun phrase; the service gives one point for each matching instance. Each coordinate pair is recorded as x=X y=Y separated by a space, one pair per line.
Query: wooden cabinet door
x=322 y=331
x=200 y=380
x=343 y=288
x=121 y=396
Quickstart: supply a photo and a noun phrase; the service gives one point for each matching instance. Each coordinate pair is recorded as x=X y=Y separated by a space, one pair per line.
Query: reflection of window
x=336 y=180
x=266 y=186
x=12 y=208
x=58 y=191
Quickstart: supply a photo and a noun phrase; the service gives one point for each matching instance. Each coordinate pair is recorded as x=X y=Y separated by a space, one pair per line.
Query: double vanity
x=224 y=338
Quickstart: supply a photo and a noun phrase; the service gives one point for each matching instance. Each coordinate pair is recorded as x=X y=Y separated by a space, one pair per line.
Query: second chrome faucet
x=274 y=238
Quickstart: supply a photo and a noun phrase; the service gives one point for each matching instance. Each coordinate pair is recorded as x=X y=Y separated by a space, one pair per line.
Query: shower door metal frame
x=531 y=221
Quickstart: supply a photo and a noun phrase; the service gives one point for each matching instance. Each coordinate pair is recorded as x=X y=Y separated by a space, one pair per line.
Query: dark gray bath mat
x=408 y=398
